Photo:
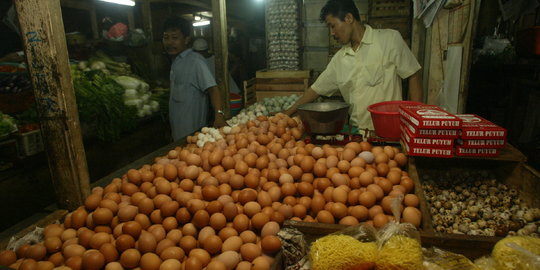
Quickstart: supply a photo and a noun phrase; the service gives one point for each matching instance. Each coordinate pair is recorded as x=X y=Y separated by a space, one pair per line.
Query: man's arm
x=215 y=99
x=415 y=87
x=309 y=96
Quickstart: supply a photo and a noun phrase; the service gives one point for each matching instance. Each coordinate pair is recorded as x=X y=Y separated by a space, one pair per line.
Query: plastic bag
x=117 y=32
x=517 y=252
x=438 y=259
x=361 y=247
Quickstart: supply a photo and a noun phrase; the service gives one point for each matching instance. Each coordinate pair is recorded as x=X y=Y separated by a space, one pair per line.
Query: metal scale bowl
x=323 y=122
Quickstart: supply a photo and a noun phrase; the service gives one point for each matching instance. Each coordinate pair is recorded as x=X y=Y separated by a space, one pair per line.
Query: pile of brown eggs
x=221 y=206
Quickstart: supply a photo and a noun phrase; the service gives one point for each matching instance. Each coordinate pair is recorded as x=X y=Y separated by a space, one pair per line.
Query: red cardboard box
x=481 y=143
x=430 y=133
x=412 y=140
x=476 y=127
x=429 y=117
x=477 y=152
x=412 y=150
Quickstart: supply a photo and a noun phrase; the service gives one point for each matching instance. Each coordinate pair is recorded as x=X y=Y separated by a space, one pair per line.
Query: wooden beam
x=93 y=19
x=474 y=11
x=42 y=31
x=131 y=18
x=221 y=48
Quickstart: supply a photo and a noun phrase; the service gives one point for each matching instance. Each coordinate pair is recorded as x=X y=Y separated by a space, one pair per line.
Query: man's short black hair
x=338 y=9
x=178 y=23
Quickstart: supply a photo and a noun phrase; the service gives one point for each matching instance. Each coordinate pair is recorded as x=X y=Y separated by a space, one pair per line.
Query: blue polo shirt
x=189 y=102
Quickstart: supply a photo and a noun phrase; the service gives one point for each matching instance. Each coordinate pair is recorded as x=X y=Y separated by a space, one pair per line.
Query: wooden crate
x=249 y=92
x=275 y=83
x=509 y=168
x=389 y=8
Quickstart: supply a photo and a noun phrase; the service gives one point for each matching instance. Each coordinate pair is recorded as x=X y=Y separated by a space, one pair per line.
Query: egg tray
x=338 y=139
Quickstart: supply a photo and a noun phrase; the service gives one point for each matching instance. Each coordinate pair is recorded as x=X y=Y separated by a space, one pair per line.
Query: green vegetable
x=7 y=124
x=100 y=103
x=130 y=82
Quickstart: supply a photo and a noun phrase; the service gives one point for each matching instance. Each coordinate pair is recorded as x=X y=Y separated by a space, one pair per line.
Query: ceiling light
x=197 y=18
x=201 y=23
x=121 y=2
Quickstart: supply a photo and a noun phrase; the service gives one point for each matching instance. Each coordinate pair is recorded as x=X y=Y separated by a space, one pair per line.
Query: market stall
x=427 y=188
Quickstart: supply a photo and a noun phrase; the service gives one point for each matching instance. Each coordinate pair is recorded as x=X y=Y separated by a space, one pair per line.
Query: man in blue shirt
x=192 y=85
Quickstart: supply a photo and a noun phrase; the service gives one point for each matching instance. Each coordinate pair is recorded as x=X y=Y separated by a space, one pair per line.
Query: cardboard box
x=412 y=140
x=413 y=150
x=429 y=117
x=430 y=133
x=476 y=127
x=481 y=143
x=477 y=152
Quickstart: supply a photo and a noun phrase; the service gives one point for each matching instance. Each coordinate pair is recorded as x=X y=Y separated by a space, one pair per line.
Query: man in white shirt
x=368 y=68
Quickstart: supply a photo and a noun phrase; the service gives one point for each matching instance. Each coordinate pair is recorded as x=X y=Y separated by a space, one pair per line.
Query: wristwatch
x=220 y=112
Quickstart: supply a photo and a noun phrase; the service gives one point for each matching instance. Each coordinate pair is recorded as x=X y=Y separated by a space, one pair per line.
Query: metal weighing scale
x=324 y=121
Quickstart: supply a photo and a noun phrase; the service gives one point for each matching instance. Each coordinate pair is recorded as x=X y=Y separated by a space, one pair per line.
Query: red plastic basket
x=385 y=117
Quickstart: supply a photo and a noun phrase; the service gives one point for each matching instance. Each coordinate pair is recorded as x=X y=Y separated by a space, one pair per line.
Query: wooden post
x=42 y=31
x=221 y=48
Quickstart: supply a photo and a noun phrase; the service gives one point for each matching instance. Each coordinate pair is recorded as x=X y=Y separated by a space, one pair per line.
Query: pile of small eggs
x=221 y=206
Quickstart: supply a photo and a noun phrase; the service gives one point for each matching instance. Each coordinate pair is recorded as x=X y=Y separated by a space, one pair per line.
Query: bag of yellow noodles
x=343 y=250
x=361 y=247
x=399 y=243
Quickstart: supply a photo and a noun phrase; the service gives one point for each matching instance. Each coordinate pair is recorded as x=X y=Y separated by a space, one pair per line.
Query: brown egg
x=170 y=264
x=325 y=217
x=227 y=232
x=394 y=177
x=376 y=190
x=52 y=244
x=259 y=220
x=124 y=242
x=164 y=244
x=57 y=259
x=109 y=252
x=127 y=213
x=367 y=199
x=338 y=210
x=201 y=219
x=401 y=159
x=411 y=200
x=147 y=242
x=412 y=215
x=252 y=208
x=244 y=265
x=187 y=243
x=93 y=260
x=366 y=178
x=232 y=243
x=193 y=263
x=386 y=204
x=380 y=220
x=270 y=244
x=408 y=184
x=317 y=204
x=200 y=254
x=8 y=257
x=75 y=263
x=250 y=251
x=174 y=252
x=374 y=210
x=249 y=237
x=349 y=221
x=150 y=261
x=385 y=185
x=212 y=244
